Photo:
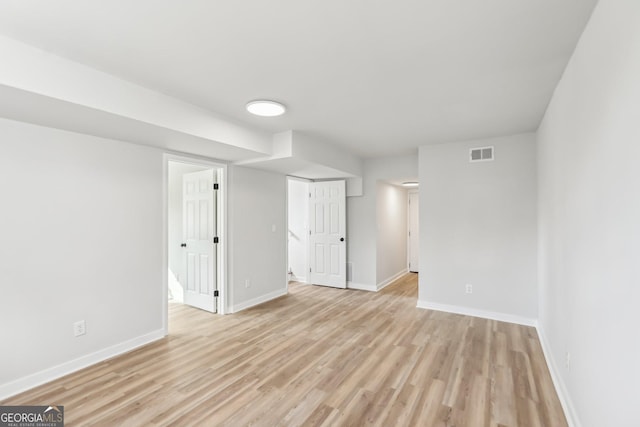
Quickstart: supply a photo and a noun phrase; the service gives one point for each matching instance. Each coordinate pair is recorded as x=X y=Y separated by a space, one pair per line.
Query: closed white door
x=414 y=233
x=199 y=214
x=327 y=234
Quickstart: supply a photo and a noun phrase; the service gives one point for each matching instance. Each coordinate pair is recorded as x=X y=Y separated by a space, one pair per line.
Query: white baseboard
x=467 y=311
x=376 y=288
x=391 y=279
x=561 y=390
x=30 y=381
x=362 y=287
x=258 y=300
x=295 y=278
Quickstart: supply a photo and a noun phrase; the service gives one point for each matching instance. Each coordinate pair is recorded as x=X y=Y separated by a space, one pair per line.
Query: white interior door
x=327 y=234
x=414 y=233
x=199 y=213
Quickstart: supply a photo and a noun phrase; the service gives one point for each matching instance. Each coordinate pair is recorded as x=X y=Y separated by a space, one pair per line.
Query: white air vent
x=481 y=154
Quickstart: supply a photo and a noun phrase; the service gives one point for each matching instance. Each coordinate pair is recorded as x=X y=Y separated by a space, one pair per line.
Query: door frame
x=222 y=231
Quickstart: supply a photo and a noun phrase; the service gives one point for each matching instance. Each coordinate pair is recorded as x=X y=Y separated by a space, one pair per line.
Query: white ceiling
x=378 y=77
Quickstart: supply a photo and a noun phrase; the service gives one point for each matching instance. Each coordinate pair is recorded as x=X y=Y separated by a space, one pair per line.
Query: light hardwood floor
x=319 y=356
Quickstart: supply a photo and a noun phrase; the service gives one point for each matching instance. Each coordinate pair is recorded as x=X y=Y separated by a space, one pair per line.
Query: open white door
x=327 y=233
x=414 y=233
x=199 y=213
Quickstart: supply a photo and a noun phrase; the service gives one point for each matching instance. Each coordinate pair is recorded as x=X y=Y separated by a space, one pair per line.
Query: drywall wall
x=175 y=234
x=257 y=209
x=324 y=153
x=413 y=230
x=362 y=215
x=81 y=227
x=298 y=228
x=589 y=212
x=478 y=227
x=391 y=240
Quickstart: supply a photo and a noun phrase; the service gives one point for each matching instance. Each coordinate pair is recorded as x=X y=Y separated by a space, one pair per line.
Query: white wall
x=175 y=235
x=256 y=203
x=298 y=228
x=589 y=212
x=478 y=227
x=362 y=212
x=324 y=153
x=81 y=227
x=391 y=218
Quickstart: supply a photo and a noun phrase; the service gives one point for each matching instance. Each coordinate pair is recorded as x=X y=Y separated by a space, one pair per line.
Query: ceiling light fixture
x=410 y=184
x=265 y=108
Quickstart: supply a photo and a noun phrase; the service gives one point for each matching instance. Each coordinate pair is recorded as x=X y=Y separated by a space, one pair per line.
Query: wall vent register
x=481 y=154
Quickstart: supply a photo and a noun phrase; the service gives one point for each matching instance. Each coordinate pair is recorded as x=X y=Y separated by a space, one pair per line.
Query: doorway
x=327 y=234
x=194 y=239
x=316 y=241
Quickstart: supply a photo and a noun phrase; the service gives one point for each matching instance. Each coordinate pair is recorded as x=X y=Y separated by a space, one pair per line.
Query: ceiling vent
x=481 y=154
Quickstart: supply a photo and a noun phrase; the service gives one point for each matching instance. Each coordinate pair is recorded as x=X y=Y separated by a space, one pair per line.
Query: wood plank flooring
x=319 y=356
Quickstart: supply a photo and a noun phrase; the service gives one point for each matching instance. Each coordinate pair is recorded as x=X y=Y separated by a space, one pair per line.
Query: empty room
x=336 y=213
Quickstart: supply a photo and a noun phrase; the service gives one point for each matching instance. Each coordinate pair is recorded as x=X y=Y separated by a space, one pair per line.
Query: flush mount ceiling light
x=265 y=108
x=410 y=184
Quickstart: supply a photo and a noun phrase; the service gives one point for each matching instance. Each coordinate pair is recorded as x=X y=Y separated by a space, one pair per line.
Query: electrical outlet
x=247 y=283
x=567 y=360
x=79 y=328
x=468 y=288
